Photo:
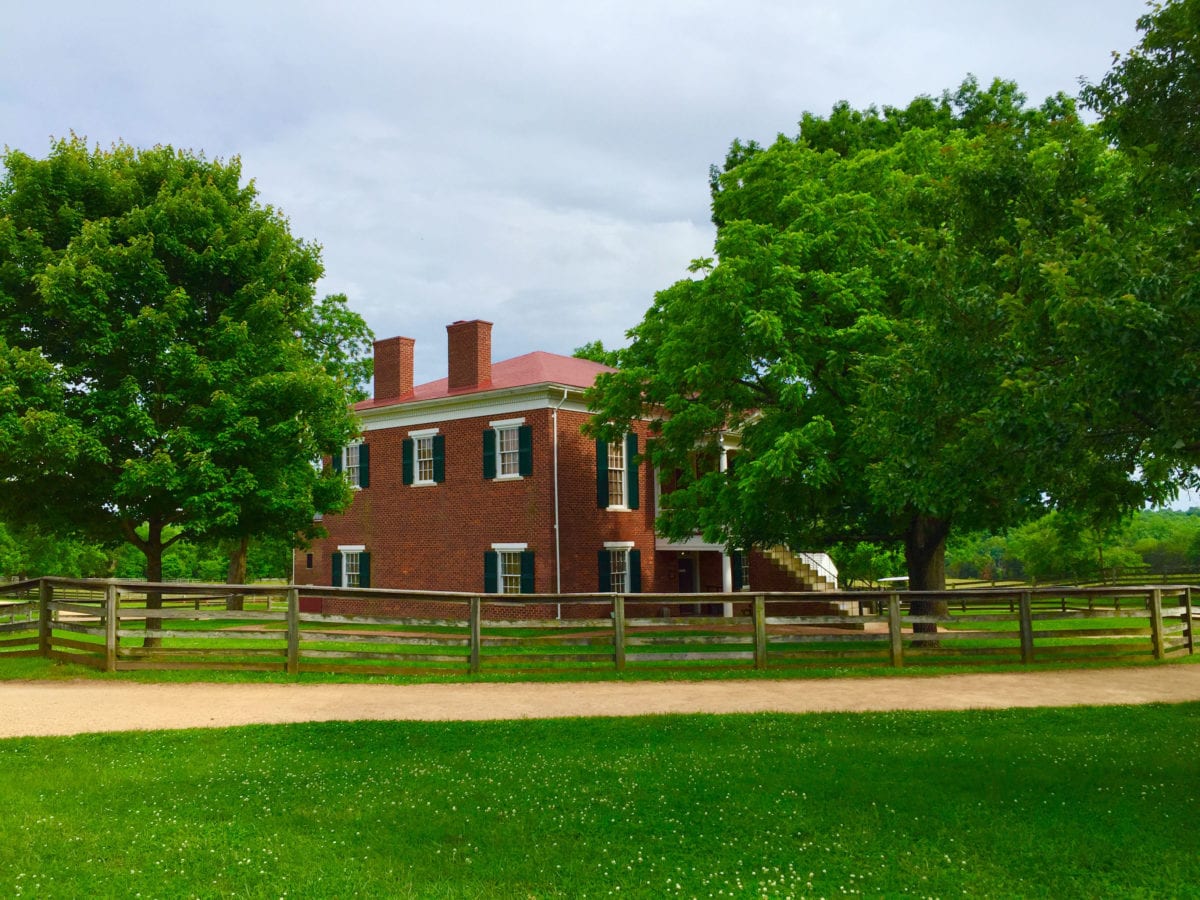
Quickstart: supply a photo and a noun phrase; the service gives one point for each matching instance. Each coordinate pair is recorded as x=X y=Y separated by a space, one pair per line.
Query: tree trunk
x=237 y=572
x=925 y=555
x=153 y=549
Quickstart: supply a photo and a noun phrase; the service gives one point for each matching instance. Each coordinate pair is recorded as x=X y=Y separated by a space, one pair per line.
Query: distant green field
x=1042 y=803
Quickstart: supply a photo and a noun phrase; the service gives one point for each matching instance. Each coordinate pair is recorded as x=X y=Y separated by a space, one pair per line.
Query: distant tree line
x=1051 y=548
x=31 y=552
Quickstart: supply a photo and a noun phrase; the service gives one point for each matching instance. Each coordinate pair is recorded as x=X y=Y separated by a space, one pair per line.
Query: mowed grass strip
x=1079 y=802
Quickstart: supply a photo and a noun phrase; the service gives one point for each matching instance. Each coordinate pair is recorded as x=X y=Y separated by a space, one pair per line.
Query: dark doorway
x=687 y=575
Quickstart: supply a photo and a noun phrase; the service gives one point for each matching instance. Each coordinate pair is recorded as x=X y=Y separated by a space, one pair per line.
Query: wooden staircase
x=803 y=568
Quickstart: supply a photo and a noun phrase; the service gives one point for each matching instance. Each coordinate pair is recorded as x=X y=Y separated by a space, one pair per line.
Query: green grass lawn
x=1055 y=803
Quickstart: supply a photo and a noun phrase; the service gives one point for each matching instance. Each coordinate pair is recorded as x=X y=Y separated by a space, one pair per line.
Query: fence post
x=760 y=632
x=897 y=645
x=475 y=614
x=45 y=595
x=1156 y=624
x=110 y=628
x=1026 y=626
x=293 y=630
x=1189 y=631
x=618 y=616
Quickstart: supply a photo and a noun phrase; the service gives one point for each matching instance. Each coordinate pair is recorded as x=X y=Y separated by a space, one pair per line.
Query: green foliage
x=862 y=564
x=596 y=352
x=1143 y=336
x=982 y=555
x=880 y=294
x=163 y=360
x=30 y=553
x=1057 y=547
x=1011 y=803
x=1148 y=100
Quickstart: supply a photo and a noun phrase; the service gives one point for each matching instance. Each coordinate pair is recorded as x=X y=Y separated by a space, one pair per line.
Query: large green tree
x=859 y=328
x=1148 y=375
x=166 y=372
x=1150 y=100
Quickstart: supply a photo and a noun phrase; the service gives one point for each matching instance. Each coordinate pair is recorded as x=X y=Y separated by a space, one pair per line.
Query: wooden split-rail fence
x=108 y=625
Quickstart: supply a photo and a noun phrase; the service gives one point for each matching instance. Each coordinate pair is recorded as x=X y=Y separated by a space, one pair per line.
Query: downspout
x=557 y=552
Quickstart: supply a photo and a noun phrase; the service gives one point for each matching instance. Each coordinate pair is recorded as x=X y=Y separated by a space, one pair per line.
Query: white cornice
x=504 y=402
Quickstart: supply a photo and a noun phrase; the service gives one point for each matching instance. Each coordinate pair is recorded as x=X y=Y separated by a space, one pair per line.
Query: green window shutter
x=736 y=563
x=335 y=560
x=364 y=465
x=439 y=458
x=406 y=465
x=602 y=474
x=635 y=571
x=364 y=569
x=491 y=571
x=489 y=453
x=631 y=470
x=526 y=571
x=336 y=459
x=525 y=446
x=604 y=564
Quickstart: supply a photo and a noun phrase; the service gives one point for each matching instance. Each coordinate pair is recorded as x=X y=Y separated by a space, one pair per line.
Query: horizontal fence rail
x=130 y=625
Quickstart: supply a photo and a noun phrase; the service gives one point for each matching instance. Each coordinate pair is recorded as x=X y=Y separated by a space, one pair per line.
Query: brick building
x=484 y=481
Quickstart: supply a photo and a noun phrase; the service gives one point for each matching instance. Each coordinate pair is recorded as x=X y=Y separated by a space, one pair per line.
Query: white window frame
x=421 y=438
x=744 y=564
x=618 y=476
x=351 y=551
x=505 y=582
x=618 y=565
x=510 y=428
x=350 y=471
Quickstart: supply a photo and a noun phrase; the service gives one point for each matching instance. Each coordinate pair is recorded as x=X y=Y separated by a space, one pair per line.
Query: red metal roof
x=538 y=367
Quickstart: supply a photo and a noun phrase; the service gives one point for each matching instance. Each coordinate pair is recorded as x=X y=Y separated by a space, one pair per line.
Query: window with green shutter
x=618 y=485
x=354 y=462
x=439 y=458
x=527 y=572
x=508 y=569
x=508 y=450
x=351 y=567
x=620 y=570
x=424 y=458
x=364 y=466
x=491 y=572
x=632 y=487
x=602 y=475
x=489 y=453
x=525 y=450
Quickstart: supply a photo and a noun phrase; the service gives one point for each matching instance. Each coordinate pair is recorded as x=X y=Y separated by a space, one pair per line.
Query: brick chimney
x=394 y=368
x=470 y=354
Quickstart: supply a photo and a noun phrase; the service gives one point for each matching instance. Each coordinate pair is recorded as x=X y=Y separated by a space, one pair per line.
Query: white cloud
x=542 y=164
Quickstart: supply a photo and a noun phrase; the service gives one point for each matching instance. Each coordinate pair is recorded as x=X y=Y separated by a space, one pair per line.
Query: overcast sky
x=542 y=165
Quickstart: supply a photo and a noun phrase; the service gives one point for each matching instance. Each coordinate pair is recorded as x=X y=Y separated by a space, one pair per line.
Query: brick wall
x=434 y=537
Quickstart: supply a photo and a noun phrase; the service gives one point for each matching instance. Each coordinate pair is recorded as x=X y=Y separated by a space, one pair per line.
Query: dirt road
x=72 y=707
